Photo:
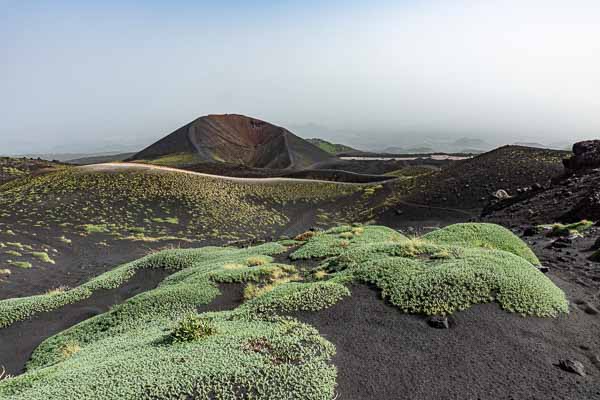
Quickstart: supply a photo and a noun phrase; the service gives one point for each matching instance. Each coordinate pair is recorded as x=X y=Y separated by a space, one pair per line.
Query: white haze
x=374 y=74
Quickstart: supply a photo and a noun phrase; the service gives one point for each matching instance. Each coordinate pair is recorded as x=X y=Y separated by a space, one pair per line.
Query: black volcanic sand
x=571 y=263
x=76 y=263
x=18 y=341
x=486 y=354
x=470 y=183
x=420 y=219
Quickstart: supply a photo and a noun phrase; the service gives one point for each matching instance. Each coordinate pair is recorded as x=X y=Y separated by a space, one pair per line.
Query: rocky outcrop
x=586 y=155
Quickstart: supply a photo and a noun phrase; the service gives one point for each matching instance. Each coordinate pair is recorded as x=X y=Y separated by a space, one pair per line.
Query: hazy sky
x=83 y=75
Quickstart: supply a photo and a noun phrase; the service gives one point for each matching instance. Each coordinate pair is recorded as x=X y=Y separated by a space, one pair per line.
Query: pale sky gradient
x=109 y=75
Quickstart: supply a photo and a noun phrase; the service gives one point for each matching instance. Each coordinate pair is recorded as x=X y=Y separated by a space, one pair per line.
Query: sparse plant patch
x=20 y=264
x=230 y=266
x=256 y=261
x=58 y=290
x=91 y=228
x=65 y=240
x=42 y=256
x=305 y=236
x=346 y=235
x=570 y=229
x=191 y=328
x=69 y=348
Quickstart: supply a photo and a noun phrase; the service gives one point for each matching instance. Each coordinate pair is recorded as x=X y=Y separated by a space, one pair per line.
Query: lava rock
x=530 y=231
x=562 y=243
x=543 y=269
x=573 y=366
x=438 y=322
x=589 y=308
x=501 y=194
x=586 y=155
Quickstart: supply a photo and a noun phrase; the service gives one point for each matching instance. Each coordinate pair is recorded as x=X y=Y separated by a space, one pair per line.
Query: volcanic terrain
x=234 y=139
x=139 y=280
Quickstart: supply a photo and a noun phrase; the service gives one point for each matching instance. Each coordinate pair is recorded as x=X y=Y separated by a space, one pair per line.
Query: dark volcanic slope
x=236 y=139
x=569 y=198
x=486 y=354
x=469 y=183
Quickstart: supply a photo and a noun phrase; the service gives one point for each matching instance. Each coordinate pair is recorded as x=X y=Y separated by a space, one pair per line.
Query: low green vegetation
x=92 y=228
x=191 y=328
x=558 y=229
x=331 y=148
x=20 y=264
x=164 y=203
x=167 y=220
x=569 y=229
x=174 y=160
x=156 y=345
x=42 y=256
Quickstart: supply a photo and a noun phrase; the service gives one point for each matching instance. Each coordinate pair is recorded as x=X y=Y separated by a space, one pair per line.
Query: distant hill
x=234 y=139
x=331 y=148
x=531 y=144
x=408 y=150
x=471 y=143
x=462 y=145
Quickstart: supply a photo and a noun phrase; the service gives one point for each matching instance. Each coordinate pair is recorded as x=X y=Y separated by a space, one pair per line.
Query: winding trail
x=456 y=210
x=113 y=166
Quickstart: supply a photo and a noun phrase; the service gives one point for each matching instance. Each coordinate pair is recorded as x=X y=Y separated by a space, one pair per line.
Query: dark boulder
x=573 y=366
x=438 y=322
x=586 y=155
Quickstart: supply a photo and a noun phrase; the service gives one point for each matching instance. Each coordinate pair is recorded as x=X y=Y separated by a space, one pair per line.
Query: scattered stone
x=531 y=230
x=589 y=308
x=438 y=322
x=562 y=243
x=573 y=366
x=399 y=212
x=543 y=269
x=501 y=194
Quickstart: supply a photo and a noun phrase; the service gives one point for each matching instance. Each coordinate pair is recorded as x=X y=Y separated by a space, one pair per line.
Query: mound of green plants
x=156 y=345
x=444 y=271
x=483 y=235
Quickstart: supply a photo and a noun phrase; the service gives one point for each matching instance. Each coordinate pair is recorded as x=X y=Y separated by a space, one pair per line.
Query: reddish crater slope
x=236 y=139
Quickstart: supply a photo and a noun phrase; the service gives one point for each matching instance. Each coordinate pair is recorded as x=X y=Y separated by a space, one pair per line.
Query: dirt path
x=457 y=210
x=130 y=165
